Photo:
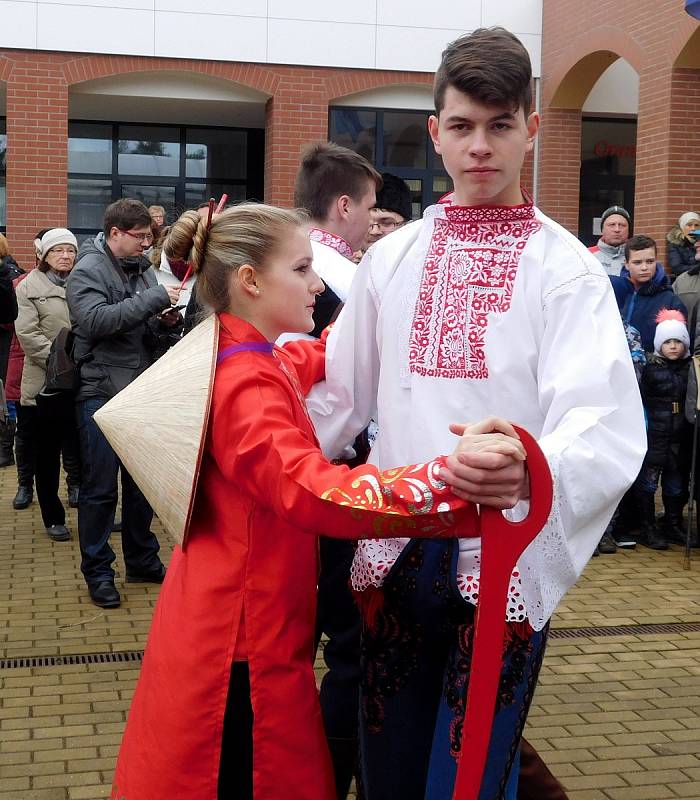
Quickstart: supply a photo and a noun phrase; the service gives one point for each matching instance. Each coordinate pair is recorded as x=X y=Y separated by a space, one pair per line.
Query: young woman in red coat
x=226 y=705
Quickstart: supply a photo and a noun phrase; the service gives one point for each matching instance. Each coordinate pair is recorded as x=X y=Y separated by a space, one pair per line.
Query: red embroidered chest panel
x=468 y=276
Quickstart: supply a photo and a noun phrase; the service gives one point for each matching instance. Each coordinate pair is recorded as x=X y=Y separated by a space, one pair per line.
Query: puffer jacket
x=639 y=307
x=664 y=387
x=681 y=252
x=112 y=305
x=43 y=311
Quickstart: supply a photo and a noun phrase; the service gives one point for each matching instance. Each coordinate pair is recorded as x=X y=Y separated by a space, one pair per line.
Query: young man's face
x=383 y=222
x=673 y=349
x=483 y=148
x=357 y=216
x=615 y=230
x=641 y=265
x=126 y=244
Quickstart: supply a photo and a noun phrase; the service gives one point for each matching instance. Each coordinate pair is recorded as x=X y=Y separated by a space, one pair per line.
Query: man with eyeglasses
x=122 y=320
x=393 y=207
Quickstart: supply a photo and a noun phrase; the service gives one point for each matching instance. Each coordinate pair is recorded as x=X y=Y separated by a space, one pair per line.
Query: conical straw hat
x=157 y=425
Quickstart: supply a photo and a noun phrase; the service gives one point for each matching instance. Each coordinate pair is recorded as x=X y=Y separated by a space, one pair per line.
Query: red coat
x=15 y=363
x=249 y=571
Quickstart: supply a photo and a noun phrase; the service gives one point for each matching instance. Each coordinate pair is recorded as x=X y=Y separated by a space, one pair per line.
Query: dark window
x=608 y=163
x=174 y=167
x=3 y=168
x=396 y=142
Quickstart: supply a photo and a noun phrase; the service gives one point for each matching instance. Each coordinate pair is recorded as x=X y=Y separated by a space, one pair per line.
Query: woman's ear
x=247 y=278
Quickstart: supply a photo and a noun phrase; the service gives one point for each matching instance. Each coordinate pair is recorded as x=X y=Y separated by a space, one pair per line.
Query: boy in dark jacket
x=643 y=289
x=664 y=385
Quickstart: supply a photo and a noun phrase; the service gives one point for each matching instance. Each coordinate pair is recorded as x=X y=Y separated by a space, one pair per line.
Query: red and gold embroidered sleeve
x=260 y=448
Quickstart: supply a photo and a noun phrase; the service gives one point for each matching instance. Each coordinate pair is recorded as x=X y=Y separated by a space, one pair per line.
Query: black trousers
x=236 y=766
x=29 y=443
x=55 y=425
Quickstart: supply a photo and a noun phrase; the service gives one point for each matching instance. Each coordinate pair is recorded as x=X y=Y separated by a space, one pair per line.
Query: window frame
x=425 y=175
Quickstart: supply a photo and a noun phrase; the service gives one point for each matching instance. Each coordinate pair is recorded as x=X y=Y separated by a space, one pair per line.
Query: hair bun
x=187 y=240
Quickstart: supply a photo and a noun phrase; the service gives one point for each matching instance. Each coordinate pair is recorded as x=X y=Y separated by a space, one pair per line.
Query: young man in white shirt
x=483 y=307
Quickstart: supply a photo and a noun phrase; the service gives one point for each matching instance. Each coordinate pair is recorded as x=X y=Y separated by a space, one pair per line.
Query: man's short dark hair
x=638 y=243
x=126 y=214
x=328 y=171
x=491 y=65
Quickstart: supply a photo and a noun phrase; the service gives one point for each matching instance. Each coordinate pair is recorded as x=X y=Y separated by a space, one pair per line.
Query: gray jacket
x=612 y=258
x=111 y=311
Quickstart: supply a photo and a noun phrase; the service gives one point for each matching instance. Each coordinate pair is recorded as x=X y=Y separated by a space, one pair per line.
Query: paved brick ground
x=616 y=717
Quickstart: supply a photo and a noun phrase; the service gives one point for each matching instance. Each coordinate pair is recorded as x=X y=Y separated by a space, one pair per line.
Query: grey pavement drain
x=120 y=657
x=82 y=658
x=625 y=630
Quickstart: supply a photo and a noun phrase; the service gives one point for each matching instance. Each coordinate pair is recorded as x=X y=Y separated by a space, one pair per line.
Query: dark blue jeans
x=98 y=504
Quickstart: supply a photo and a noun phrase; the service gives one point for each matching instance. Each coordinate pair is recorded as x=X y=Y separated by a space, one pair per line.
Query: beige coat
x=43 y=311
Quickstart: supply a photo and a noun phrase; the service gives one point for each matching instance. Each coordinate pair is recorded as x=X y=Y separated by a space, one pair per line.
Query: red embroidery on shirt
x=330 y=239
x=468 y=275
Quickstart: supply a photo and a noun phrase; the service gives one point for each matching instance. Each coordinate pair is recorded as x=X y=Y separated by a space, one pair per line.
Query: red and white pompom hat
x=670 y=324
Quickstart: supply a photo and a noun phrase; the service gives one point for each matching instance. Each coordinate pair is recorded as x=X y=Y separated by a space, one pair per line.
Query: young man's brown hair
x=491 y=65
x=640 y=242
x=327 y=171
x=125 y=214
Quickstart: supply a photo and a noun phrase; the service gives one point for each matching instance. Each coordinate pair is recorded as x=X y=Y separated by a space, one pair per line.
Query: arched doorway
x=167 y=138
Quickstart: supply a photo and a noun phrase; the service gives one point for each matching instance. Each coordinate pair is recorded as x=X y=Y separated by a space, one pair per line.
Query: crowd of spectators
x=117 y=302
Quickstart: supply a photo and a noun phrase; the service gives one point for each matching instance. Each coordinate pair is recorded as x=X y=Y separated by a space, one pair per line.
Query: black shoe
x=105 y=595
x=607 y=544
x=157 y=576
x=23 y=498
x=58 y=533
x=73 y=495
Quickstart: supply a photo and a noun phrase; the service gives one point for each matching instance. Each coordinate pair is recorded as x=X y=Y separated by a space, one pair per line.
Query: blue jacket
x=639 y=308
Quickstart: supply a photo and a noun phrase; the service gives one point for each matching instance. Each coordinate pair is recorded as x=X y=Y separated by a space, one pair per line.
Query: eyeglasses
x=385 y=224
x=61 y=251
x=142 y=237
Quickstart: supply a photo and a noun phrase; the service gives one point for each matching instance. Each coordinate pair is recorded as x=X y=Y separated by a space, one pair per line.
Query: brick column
x=37 y=151
x=560 y=165
x=294 y=116
x=668 y=173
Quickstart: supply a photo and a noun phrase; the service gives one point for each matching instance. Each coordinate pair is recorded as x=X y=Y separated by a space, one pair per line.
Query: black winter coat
x=664 y=385
x=681 y=253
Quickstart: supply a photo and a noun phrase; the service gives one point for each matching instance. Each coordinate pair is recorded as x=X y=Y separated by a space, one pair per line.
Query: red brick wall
x=37 y=119
x=649 y=34
x=560 y=165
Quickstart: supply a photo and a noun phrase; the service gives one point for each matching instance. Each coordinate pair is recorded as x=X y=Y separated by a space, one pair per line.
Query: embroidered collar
x=332 y=240
x=480 y=214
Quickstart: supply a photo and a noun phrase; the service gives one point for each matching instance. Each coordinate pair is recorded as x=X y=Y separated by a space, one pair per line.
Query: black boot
x=23 y=498
x=673 y=527
x=650 y=534
x=7 y=442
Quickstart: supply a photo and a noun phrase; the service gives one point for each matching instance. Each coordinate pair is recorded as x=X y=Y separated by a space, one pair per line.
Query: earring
x=257 y=291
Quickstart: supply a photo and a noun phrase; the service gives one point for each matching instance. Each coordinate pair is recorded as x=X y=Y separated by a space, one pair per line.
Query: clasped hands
x=488 y=464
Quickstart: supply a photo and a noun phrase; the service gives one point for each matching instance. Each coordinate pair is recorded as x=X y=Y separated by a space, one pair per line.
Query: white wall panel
x=359 y=11
x=411 y=48
x=143 y=5
x=331 y=44
x=18 y=24
x=94 y=30
x=251 y=8
x=218 y=36
x=365 y=34
x=461 y=15
x=519 y=16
